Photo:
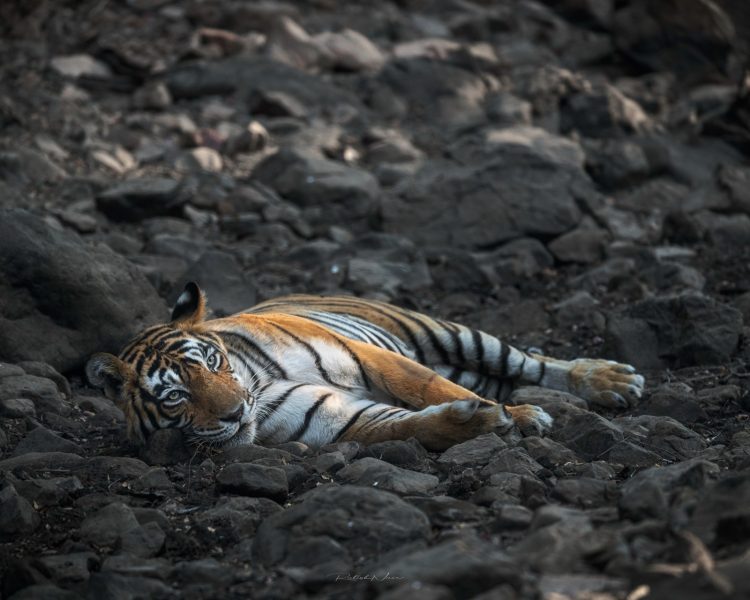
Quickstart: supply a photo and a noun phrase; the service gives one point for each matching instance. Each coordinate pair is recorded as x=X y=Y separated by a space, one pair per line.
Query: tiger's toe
x=530 y=419
x=607 y=383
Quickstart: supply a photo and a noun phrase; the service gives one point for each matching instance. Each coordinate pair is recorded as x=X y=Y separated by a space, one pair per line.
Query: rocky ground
x=569 y=175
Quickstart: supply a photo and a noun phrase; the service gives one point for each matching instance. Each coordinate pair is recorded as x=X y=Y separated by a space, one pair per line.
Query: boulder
x=62 y=299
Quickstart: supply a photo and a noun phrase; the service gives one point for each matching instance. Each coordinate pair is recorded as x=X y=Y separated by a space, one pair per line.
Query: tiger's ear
x=190 y=308
x=108 y=372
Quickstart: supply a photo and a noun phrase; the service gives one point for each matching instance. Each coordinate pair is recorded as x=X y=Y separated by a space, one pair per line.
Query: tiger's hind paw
x=606 y=383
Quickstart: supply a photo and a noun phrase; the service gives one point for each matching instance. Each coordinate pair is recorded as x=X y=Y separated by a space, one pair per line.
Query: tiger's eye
x=174 y=395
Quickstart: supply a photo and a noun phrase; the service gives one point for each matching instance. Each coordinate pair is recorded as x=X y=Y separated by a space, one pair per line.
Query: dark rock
x=603 y=111
x=144 y=541
x=363 y=520
x=574 y=585
x=107 y=526
x=587 y=434
x=165 y=447
x=115 y=467
x=547 y=452
x=377 y=473
x=253 y=480
x=138 y=199
x=721 y=515
x=676 y=400
x=444 y=511
x=17 y=516
x=663 y=435
x=468 y=207
x=685 y=329
x=40 y=369
x=616 y=163
x=38 y=462
x=45 y=591
x=467 y=566
x=586 y=492
x=44 y=440
x=512 y=517
x=695 y=42
x=103 y=408
x=335 y=193
x=329 y=462
x=7 y=370
x=154 y=481
x=39 y=323
x=649 y=494
x=408 y=454
x=123 y=587
x=580 y=309
x=241 y=515
x=410 y=591
x=583 y=245
x=17 y=408
x=513 y=460
x=727 y=232
x=253 y=452
x=68 y=570
x=42 y=391
x=48 y=492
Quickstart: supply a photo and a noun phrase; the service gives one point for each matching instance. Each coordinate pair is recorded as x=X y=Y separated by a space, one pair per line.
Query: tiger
x=317 y=370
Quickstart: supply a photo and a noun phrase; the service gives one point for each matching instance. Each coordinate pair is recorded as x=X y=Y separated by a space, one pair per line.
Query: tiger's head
x=178 y=375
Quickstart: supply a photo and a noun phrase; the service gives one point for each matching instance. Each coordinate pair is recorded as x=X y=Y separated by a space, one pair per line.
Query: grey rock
x=143 y=541
x=123 y=587
x=44 y=493
x=206 y=571
x=512 y=517
x=113 y=301
x=547 y=452
x=333 y=193
x=44 y=440
x=363 y=520
x=423 y=591
x=676 y=400
x=17 y=408
x=68 y=569
x=721 y=513
x=684 y=329
x=17 y=516
x=663 y=435
x=469 y=207
x=253 y=480
x=7 y=370
x=584 y=245
x=137 y=199
x=377 y=473
x=579 y=309
x=444 y=511
x=40 y=369
x=154 y=481
x=615 y=163
x=254 y=452
x=25 y=166
x=79 y=65
x=43 y=392
x=587 y=434
x=103 y=408
x=114 y=467
x=241 y=515
x=45 y=591
x=513 y=460
x=697 y=45
x=107 y=526
x=408 y=454
x=42 y=461
x=603 y=111
x=329 y=462
x=467 y=566
x=586 y=492
x=165 y=447
x=649 y=494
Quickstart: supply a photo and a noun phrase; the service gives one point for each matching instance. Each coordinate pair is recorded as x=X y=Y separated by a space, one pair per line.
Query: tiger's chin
x=244 y=437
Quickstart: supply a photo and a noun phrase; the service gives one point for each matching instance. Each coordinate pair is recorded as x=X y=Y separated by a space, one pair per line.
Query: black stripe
x=355 y=358
x=454 y=375
x=427 y=330
x=343 y=304
x=309 y=417
x=313 y=352
x=273 y=407
x=353 y=420
x=542 y=369
x=504 y=352
x=479 y=348
x=245 y=341
x=455 y=334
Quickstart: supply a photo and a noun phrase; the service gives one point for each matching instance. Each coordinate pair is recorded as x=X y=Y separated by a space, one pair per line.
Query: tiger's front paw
x=606 y=383
x=530 y=419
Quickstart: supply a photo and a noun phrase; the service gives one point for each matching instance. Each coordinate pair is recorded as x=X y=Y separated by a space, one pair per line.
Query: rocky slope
x=571 y=176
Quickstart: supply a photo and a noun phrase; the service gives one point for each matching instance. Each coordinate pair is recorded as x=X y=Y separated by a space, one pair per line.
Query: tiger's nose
x=235 y=415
